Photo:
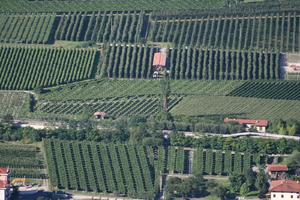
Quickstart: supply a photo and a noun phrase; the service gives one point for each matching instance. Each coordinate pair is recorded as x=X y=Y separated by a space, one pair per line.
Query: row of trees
x=288 y=127
x=251 y=145
x=26 y=67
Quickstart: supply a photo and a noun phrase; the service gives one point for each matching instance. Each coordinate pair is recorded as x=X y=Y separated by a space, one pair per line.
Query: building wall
x=2 y=194
x=284 y=196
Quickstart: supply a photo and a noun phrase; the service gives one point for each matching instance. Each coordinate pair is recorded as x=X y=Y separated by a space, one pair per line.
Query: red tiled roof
x=160 y=59
x=4 y=170
x=249 y=121
x=100 y=113
x=272 y=168
x=285 y=186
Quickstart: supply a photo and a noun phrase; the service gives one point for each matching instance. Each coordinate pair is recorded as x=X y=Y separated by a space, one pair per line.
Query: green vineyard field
x=269 y=90
x=134 y=169
x=28 y=67
x=102 y=27
x=239 y=107
x=30 y=28
x=16 y=104
x=99 y=167
x=96 y=89
x=276 y=31
x=197 y=64
x=27 y=160
x=127 y=106
x=92 y=5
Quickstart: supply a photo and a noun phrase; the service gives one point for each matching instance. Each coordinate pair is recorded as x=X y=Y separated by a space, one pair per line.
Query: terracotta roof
x=248 y=121
x=4 y=170
x=160 y=59
x=272 y=168
x=285 y=186
x=100 y=113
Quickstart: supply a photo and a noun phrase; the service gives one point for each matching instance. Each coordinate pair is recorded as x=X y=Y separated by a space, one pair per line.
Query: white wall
x=2 y=194
x=286 y=196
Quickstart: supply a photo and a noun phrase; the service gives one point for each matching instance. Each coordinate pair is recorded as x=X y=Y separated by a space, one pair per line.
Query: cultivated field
x=239 y=107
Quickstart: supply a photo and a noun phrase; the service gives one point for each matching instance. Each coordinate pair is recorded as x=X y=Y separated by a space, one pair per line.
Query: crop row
x=31 y=28
x=27 y=67
x=99 y=167
x=239 y=107
x=121 y=107
x=192 y=63
x=269 y=90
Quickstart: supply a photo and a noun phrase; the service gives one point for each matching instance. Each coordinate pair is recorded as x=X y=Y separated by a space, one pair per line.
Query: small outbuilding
x=100 y=115
x=277 y=171
x=259 y=125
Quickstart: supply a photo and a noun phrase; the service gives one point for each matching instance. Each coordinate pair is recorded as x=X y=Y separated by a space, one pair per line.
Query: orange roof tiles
x=272 y=168
x=248 y=121
x=160 y=59
x=284 y=186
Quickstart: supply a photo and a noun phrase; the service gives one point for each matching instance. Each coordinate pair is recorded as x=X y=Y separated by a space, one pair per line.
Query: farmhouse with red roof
x=284 y=189
x=259 y=125
x=277 y=171
x=160 y=59
x=4 y=183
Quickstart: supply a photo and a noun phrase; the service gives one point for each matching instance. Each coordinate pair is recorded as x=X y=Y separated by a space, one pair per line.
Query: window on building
x=298 y=197
x=274 y=195
x=292 y=196
x=282 y=196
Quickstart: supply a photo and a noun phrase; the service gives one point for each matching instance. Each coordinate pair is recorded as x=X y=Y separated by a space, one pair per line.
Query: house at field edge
x=100 y=115
x=284 y=190
x=160 y=59
x=4 y=183
x=277 y=172
x=259 y=125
